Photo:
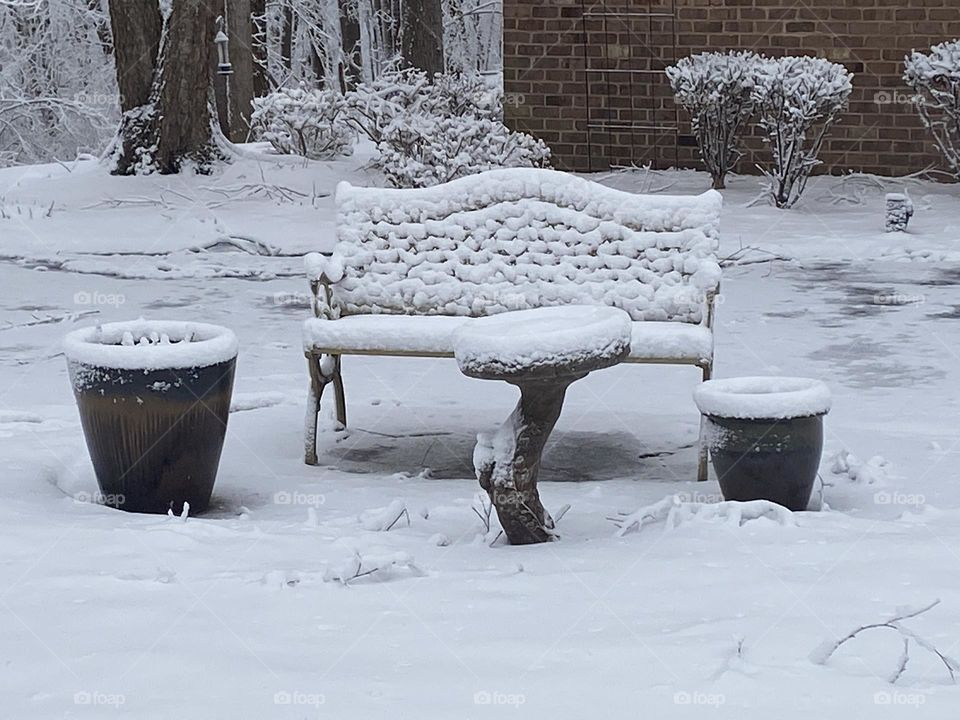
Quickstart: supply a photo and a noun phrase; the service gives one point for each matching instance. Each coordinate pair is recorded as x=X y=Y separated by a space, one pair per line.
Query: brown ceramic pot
x=154 y=415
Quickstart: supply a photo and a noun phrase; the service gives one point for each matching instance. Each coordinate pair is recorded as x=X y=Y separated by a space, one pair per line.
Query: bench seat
x=432 y=336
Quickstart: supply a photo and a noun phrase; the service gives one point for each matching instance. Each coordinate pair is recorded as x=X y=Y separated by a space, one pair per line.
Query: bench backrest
x=522 y=238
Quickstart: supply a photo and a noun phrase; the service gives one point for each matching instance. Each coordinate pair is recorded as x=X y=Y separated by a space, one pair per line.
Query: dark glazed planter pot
x=765 y=436
x=154 y=399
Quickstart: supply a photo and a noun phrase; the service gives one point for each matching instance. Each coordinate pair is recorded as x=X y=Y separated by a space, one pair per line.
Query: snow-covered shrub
x=432 y=131
x=935 y=77
x=374 y=105
x=298 y=121
x=718 y=90
x=423 y=150
x=798 y=100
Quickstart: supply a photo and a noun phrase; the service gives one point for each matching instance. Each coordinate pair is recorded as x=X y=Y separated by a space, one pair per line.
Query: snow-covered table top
x=543 y=343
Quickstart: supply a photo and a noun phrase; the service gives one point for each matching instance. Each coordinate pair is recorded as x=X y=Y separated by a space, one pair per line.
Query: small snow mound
x=280 y=579
x=675 y=512
x=384 y=519
x=875 y=471
x=439 y=540
x=360 y=566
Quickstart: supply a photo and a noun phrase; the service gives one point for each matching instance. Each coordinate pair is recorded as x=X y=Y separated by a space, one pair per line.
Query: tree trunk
x=350 y=65
x=240 y=30
x=286 y=39
x=258 y=16
x=174 y=126
x=422 y=35
x=136 y=27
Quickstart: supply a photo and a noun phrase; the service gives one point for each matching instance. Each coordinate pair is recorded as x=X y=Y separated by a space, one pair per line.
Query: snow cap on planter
x=767 y=398
x=151 y=345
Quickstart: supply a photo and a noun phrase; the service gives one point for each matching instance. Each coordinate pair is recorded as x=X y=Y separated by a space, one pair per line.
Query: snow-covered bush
x=422 y=150
x=798 y=100
x=298 y=121
x=718 y=90
x=432 y=131
x=935 y=77
x=374 y=105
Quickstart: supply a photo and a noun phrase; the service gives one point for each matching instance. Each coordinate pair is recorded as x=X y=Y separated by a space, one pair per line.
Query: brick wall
x=586 y=75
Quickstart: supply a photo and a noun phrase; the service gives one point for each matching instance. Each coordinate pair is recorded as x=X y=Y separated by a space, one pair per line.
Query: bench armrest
x=322 y=272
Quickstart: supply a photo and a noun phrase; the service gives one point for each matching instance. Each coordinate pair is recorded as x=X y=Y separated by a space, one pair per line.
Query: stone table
x=541 y=351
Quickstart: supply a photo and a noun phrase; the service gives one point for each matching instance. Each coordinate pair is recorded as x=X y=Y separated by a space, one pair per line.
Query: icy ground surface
x=242 y=613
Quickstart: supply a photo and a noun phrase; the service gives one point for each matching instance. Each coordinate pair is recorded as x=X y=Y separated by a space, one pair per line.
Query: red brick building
x=587 y=76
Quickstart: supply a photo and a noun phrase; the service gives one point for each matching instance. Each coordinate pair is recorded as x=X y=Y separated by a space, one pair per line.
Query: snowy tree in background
x=58 y=94
x=935 y=77
x=718 y=90
x=798 y=101
x=61 y=90
x=472 y=37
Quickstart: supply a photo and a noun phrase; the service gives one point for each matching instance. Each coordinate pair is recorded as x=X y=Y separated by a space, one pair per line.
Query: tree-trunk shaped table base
x=542 y=352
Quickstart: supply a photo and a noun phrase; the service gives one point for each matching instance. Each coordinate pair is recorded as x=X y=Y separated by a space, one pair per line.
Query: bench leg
x=703 y=465
x=339 y=398
x=317 y=384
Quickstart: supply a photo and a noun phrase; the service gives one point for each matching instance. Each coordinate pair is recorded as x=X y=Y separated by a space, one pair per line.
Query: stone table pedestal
x=542 y=352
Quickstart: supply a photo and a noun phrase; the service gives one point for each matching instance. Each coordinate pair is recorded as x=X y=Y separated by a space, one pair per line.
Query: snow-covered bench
x=412 y=266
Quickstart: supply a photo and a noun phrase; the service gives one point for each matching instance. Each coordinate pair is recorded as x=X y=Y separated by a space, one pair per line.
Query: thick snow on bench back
x=524 y=238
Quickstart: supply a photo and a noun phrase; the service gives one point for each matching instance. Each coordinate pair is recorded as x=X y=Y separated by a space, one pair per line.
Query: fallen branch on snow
x=825 y=650
x=359 y=567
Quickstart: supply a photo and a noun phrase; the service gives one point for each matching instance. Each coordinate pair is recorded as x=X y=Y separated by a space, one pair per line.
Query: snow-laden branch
x=825 y=650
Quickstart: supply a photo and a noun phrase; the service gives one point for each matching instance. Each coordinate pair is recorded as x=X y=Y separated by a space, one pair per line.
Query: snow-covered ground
x=238 y=614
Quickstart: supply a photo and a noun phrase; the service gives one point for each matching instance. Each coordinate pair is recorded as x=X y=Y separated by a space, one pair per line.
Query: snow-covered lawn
x=239 y=614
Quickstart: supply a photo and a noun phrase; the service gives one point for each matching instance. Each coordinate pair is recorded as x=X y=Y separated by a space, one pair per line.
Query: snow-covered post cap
x=323 y=268
x=763 y=398
x=899 y=210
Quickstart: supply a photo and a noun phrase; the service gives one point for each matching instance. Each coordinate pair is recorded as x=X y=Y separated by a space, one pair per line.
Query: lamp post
x=224 y=71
